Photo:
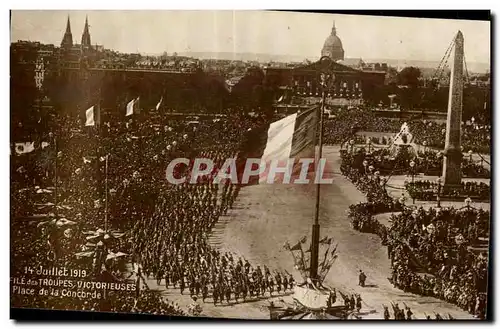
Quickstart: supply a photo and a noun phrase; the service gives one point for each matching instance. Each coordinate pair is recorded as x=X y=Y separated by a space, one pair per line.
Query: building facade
x=347 y=84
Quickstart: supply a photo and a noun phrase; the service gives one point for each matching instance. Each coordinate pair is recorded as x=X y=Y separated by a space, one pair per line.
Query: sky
x=274 y=33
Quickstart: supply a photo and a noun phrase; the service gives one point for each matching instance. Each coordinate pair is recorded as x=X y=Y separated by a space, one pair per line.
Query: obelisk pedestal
x=452 y=171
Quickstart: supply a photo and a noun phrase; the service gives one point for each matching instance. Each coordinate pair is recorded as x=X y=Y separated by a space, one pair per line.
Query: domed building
x=333 y=46
x=302 y=84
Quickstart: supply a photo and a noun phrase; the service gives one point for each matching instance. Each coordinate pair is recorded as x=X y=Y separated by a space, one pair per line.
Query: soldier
x=204 y=292
x=259 y=272
x=278 y=282
x=352 y=302
x=271 y=286
x=409 y=313
x=181 y=284
x=247 y=266
x=362 y=278
x=285 y=283
x=331 y=299
x=215 y=294
x=159 y=275
x=347 y=302
x=167 y=276
x=191 y=286
x=291 y=282
x=239 y=266
x=228 y=293
x=197 y=286
x=387 y=315
x=358 y=302
x=250 y=287
x=244 y=290
x=267 y=272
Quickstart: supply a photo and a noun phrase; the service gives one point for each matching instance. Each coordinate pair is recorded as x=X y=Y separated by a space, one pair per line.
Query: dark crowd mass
x=162 y=227
x=476 y=135
x=440 y=252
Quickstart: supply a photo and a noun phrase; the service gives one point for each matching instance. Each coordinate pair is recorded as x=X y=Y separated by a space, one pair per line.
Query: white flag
x=159 y=103
x=22 y=148
x=130 y=108
x=90 y=117
x=137 y=104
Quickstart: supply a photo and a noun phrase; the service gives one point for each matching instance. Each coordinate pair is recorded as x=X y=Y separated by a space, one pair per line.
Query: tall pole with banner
x=326 y=77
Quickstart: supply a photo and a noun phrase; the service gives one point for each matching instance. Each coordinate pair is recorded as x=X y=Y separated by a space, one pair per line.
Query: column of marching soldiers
x=170 y=230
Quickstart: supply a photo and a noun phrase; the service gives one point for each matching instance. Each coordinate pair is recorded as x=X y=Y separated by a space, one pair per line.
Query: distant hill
x=263 y=58
x=473 y=67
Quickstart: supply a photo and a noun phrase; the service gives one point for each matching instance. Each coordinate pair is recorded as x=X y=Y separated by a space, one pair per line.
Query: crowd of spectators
x=340 y=129
x=433 y=252
x=111 y=206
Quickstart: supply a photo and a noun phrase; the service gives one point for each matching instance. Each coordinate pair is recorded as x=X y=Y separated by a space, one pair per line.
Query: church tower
x=333 y=46
x=86 y=44
x=67 y=41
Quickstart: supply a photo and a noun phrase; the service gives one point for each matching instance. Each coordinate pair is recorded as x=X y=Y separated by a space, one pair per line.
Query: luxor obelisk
x=452 y=172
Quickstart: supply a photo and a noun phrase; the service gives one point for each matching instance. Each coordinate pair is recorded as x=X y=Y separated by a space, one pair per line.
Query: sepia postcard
x=250 y=164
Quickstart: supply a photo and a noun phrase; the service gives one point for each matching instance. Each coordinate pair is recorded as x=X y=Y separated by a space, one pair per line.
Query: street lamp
x=412 y=169
x=402 y=200
x=365 y=164
x=468 y=201
x=369 y=141
x=351 y=144
x=439 y=181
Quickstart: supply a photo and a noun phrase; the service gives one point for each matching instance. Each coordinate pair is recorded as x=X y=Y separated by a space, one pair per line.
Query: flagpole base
x=314 y=253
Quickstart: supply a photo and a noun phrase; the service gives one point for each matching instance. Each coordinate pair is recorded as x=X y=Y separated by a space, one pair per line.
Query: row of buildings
x=72 y=75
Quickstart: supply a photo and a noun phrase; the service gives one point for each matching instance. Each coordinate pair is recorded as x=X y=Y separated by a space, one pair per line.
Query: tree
x=391 y=77
x=409 y=76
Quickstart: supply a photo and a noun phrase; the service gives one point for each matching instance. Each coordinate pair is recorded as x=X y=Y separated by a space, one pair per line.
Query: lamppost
x=351 y=142
x=369 y=142
x=402 y=200
x=370 y=169
x=412 y=169
x=439 y=181
x=468 y=201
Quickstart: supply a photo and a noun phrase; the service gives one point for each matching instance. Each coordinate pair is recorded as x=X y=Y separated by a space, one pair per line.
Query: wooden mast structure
x=326 y=77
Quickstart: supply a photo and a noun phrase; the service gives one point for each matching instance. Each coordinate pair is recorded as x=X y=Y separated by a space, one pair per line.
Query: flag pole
x=313 y=271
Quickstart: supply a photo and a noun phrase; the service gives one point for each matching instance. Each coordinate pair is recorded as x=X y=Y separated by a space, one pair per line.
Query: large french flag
x=284 y=142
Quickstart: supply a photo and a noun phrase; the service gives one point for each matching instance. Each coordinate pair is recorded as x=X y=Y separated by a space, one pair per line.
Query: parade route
x=266 y=216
